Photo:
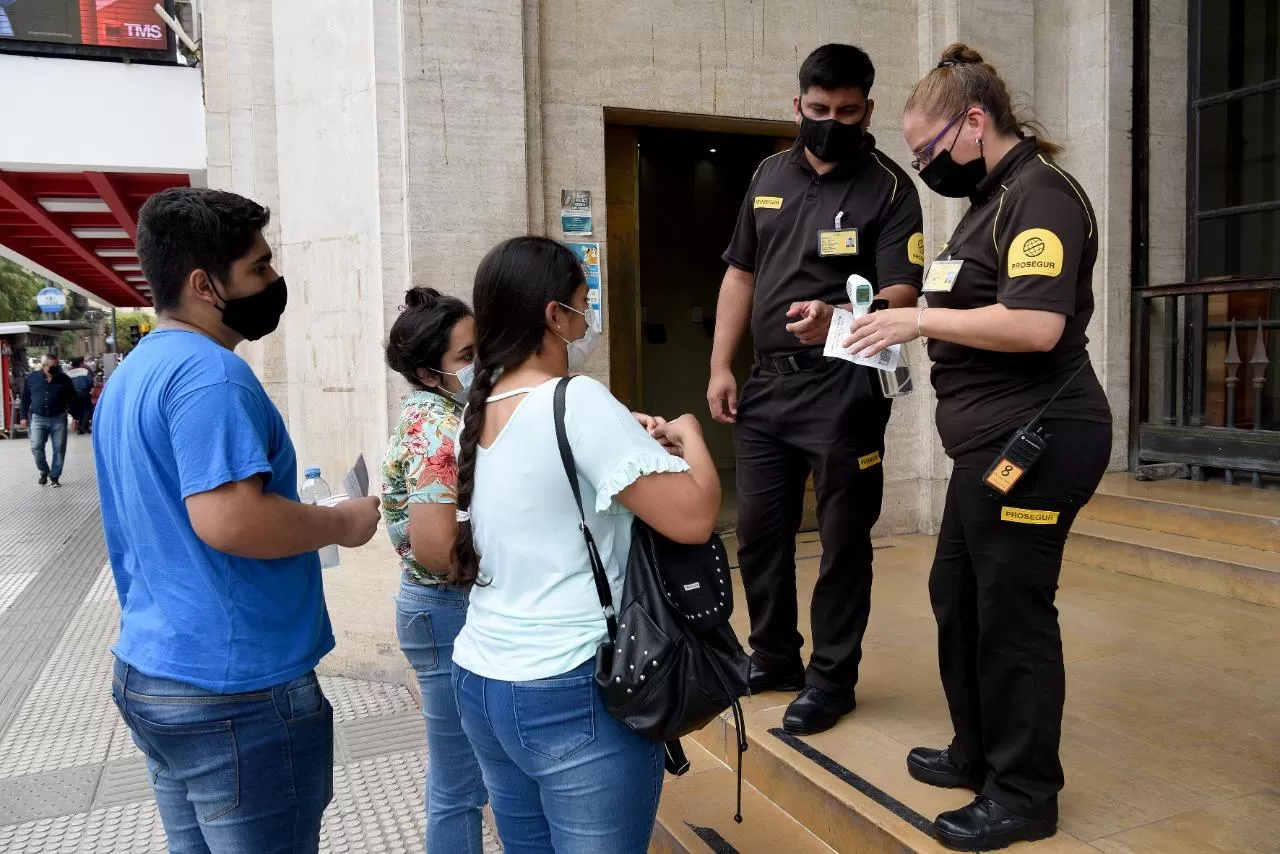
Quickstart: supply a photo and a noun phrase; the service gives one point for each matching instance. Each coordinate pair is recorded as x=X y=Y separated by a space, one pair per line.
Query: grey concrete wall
x=397 y=140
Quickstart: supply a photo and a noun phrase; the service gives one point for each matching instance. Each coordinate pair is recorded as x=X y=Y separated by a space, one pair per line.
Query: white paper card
x=887 y=359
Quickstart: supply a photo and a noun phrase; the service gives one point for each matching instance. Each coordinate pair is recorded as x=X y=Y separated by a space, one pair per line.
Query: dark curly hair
x=420 y=336
x=514 y=283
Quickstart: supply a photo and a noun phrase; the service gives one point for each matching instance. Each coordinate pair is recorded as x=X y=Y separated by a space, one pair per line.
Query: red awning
x=81 y=226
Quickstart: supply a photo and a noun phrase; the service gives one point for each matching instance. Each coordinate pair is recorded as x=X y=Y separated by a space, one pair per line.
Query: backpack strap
x=597 y=565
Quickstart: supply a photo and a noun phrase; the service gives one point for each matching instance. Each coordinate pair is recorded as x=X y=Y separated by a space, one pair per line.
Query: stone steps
x=696 y=815
x=848 y=787
x=1208 y=537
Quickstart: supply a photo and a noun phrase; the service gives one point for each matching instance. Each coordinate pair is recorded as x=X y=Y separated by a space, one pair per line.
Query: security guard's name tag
x=942 y=275
x=769 y=203
x=1022 y=516
x=837 y=241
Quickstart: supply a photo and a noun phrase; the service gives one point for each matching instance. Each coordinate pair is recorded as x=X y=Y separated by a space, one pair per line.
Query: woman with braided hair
x=1020 y=411
x=563 y=775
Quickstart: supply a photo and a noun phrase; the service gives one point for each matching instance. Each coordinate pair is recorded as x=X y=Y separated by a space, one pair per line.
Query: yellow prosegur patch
x=768 y=202
x=915 y=249
x=1035 y=252
x=1028 y=517
x=871 y=459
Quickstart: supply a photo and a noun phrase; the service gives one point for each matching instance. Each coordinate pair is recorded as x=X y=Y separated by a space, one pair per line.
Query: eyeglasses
x=924 y=155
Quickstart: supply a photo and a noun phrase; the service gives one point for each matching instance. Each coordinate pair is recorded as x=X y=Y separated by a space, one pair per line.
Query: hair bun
x=959 y=53
x=420 y=297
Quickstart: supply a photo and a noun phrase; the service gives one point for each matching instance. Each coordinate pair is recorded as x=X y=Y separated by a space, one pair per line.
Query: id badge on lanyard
x=836 y=242
x=942 y=275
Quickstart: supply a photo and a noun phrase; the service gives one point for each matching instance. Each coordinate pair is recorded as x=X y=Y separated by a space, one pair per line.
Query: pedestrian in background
x=563 y=775
x=223 y=618
x=47 y=396
x=432 y=345
x=81 y=377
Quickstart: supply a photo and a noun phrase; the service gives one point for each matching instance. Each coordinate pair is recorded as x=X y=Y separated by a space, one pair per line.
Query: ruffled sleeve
x=634 y=467
x=610 y=448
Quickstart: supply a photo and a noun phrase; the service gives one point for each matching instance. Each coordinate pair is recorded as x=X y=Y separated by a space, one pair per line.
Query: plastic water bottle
x=895 y=382
x=315 y=491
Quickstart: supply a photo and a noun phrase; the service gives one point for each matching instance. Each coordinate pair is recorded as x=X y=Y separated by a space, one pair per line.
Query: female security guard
x=1021 y=412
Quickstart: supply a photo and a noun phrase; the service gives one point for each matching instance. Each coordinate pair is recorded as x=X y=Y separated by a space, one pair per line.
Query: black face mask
x=256 y=316
x=954 y=180
x=829 y=140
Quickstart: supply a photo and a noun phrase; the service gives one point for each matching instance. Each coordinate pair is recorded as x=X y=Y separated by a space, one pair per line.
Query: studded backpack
x=672 y=662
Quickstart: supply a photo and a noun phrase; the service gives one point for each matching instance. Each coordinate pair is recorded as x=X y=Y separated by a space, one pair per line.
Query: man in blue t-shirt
x=222 y=610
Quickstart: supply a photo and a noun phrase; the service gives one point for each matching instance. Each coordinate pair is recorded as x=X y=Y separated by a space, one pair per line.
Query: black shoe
x=55 y=483
x=984 y=825
x=761 y=680
x=936 y=768
x=816 y=711
x=44 y=479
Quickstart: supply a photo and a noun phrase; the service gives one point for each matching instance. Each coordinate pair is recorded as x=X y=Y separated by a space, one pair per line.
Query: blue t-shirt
x=184 y=415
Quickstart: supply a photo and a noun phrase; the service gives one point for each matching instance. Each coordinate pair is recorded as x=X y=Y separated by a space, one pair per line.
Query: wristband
x=919 y=320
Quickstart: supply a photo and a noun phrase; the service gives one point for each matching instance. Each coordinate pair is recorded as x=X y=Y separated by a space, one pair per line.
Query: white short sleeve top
x=538 y=615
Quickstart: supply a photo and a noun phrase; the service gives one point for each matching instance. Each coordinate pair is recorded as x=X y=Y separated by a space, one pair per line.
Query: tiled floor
x=70 y=778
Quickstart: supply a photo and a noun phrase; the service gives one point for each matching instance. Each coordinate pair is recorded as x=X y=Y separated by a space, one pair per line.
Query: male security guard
x=831 y=206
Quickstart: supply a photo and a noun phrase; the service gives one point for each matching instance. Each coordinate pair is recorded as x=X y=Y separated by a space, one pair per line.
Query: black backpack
x=672 y=662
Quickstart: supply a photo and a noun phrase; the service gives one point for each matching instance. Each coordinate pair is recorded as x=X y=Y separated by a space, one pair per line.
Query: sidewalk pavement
x=71 y=779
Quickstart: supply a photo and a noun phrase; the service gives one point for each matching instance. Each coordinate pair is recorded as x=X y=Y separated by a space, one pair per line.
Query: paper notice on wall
x=575 y=213
x=887 y=359
x=589 y=255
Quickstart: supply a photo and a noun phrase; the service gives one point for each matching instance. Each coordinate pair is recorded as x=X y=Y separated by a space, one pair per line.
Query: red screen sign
x=105 y=23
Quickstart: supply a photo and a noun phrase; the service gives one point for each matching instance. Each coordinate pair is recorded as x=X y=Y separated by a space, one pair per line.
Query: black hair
x=420 y=336
x=514 y=283
x=77 y=361
x=838 y=66
x=192 y=228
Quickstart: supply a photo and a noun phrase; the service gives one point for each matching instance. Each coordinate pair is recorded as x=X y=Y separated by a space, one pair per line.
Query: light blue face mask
x=465 y=378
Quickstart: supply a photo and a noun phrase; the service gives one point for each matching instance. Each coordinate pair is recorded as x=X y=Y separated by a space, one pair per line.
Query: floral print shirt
x=420 y=467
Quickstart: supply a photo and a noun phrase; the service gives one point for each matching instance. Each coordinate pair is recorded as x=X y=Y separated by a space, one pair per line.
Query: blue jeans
x=44 y=428
x=233 y=773
x=565 y=777
x=427 y=621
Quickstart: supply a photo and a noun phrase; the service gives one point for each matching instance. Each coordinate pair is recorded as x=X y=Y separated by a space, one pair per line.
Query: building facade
x=397 y=140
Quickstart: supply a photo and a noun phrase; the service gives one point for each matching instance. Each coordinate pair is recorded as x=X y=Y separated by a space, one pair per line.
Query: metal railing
x=1206 y=391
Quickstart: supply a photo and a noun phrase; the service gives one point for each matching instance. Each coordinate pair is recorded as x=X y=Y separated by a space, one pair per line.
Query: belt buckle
x=793 y=367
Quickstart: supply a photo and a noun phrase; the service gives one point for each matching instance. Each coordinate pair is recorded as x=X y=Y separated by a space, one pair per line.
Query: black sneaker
x=55 y=483
x=44 y=479
x=936 y=768
x=761 y=680
x=984 y=825
x=816 y=711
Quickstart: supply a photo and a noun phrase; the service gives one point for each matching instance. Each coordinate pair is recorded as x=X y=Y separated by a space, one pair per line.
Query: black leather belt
x=796 y=363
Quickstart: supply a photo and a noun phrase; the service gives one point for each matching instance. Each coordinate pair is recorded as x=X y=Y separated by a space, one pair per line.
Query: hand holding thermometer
x=895 y=375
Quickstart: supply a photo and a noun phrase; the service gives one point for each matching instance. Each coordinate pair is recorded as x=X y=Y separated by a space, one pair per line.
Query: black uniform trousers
x=993 y=583
x=829 y=421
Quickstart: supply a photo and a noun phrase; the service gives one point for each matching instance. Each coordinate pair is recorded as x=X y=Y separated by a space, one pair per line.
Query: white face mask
x=465 y=377
x=580 y=351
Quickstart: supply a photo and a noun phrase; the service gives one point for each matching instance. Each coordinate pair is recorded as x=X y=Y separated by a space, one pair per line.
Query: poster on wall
x=101 y=23
x=589 y=255
x=575 y=213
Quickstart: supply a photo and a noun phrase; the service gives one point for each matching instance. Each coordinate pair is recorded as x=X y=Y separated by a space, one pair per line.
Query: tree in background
x=18 y=287
x=127 y=319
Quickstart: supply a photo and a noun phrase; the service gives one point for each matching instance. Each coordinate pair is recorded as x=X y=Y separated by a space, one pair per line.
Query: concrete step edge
x=1178 y=546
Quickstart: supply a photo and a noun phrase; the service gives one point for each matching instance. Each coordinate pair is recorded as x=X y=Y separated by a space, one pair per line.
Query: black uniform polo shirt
x=777 y=235
x=1028 y=241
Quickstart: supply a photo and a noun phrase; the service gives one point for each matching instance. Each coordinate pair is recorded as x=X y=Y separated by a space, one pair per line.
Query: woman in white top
x=563 y=776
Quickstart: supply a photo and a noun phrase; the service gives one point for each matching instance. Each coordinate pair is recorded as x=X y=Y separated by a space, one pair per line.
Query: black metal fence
x=1207 y=384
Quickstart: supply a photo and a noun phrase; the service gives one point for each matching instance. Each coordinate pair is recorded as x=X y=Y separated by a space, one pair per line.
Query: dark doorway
x=691 y=186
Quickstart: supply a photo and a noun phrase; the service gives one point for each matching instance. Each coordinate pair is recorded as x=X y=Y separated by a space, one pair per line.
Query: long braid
x=466 y=560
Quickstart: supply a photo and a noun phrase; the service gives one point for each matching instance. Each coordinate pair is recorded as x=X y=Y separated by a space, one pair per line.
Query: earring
x=981 y=151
